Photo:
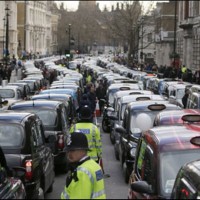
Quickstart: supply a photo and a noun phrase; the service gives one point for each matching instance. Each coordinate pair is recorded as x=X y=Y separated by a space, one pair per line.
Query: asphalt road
x=115 y=186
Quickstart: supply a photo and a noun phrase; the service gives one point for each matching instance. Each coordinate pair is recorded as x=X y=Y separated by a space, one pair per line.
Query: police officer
x=91 y=131
x=85 y=177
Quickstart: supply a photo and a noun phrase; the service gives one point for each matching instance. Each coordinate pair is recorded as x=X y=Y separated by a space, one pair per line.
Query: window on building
x=149 y=37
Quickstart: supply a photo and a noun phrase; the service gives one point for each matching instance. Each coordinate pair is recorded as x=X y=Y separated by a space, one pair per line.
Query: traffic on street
x=107 y=107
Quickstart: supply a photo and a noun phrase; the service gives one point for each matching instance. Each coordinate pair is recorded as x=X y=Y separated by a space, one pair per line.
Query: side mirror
x=136 y=134
x=120 y=129
x=113 y=117
x=141 y=187
x=172 y=97
x=5 y=102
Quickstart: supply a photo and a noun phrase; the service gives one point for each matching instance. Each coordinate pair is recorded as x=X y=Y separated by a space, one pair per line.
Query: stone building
x=37 y=24
x=164 y=32
x=188 y=33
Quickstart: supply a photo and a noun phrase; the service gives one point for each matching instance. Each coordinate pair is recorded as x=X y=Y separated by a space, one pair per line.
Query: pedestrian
x=101 y=94
x=91 y=131
x=185 y=97
x=84 y=178
x=92 y=98
x=84 y=102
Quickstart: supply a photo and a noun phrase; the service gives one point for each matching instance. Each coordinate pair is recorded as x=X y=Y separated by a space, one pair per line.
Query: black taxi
x=160 y=153
x=54 y=118
x=138 y=117
x=23 y=143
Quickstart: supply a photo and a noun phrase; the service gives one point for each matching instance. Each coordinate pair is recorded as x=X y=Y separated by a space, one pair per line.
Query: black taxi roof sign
x=156 y=107
x=191 y=118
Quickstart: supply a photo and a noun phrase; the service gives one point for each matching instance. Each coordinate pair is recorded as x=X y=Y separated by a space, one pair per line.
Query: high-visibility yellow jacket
x=93 y=136
x=89 y=183
x=88 y=79
x=183 y=69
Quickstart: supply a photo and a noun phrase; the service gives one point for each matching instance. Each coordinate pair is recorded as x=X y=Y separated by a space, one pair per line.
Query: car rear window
x=48 y=117
x=7 y=93
x=11 y=135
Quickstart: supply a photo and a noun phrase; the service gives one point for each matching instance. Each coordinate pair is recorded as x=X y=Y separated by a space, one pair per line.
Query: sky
x=73 y=5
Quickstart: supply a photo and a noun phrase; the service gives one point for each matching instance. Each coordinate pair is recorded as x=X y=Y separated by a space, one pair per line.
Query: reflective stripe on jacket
x=89 y=184
x=93 y=136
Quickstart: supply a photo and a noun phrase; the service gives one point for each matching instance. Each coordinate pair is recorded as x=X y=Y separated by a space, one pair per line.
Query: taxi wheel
x=50 y=188
x=116 y=153
x=126 y=174
x=105 y=127
x=112 y=139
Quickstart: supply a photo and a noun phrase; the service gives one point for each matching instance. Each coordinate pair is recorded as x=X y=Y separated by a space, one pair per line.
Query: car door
x=44 y=155
x=123 y=138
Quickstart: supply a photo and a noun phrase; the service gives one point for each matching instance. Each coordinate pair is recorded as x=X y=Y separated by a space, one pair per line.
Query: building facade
x=188 y=34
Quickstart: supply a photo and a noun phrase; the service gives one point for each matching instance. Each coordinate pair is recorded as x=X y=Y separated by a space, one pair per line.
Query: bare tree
x=126 y=24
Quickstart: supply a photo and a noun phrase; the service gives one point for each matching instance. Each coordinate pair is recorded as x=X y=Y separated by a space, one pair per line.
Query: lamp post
x=142 y=29
x=4 y=24
x=7 y=34
x=174 y=53
x=69 y=38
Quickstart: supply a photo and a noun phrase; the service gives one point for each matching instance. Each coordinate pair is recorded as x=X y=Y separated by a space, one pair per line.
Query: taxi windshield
x=170 y=163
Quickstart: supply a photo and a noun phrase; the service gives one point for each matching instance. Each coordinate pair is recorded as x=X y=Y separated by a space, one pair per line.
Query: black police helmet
x=85 y=112
x=77 y=141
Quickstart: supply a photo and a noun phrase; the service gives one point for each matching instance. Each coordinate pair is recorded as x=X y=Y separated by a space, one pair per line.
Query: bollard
x=4 y=82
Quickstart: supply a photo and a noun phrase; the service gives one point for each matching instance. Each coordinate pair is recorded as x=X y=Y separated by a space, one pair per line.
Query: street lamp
x=142 y=35
x=69 y=38
x=4 y=24
x=7 y=34
x=174 y=53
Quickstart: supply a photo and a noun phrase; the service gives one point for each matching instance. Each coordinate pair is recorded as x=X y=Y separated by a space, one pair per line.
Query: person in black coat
x=185 y=98
x=92 y=98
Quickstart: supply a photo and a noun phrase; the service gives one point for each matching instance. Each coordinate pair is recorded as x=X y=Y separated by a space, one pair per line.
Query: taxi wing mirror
x=121 y=130
x=141 y=187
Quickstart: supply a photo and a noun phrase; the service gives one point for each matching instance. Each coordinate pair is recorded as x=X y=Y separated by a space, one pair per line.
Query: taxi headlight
x=132 y=152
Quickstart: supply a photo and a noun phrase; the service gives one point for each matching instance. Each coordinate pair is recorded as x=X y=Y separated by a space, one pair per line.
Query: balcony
x=187 y=23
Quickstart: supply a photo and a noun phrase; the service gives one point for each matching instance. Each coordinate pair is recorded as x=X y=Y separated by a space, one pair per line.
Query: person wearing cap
x=85 y=177
x=91 y=131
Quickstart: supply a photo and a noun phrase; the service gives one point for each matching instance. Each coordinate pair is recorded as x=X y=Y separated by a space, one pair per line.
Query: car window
x=11 y=135
x=48 y=117
x=7 y=93
x=145 y=168
x=64 y=119
x=36 y=136
x=170 y=163
x=180 y=93
x=19 y=96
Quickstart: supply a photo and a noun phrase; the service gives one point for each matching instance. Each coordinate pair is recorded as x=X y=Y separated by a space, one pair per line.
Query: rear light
x=61 y=142
x=29 y=170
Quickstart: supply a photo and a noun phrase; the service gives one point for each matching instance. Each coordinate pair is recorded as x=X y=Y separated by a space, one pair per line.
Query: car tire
x=50 y=189
x=116 y=153
x=126 y=174
x=112 y=139
x=105 y=127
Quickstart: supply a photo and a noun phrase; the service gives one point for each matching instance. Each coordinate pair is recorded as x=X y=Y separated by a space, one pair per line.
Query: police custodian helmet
x=77 y=140
x=85 y=112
